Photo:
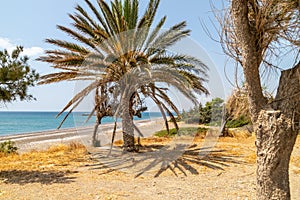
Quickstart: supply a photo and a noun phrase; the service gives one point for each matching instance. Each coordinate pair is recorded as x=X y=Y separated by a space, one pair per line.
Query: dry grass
x=239 y=146
x=64 y=157
x=56 y=157
x=55 y=172
x=237 y=104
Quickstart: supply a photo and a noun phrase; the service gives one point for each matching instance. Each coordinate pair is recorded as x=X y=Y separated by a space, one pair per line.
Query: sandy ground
x=164 y=169
x=45 y=139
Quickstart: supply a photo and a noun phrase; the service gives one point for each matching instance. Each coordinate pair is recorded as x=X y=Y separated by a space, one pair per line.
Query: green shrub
x=211 y=112
x=235 y=123
x=182 y=131
x=8 y=147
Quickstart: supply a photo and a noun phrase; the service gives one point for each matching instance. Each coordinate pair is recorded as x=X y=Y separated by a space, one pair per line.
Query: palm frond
x=87 y=17
x=166 y=109
x=168 y=38
x=114 y=43
x=79 y=37
x=98 y=15
x=72 y=47
x=82 y=25
x=155 y=32
x=81 y=94
x=57 y=77
x=70 y=111
x=109 y=18
x=157 y=102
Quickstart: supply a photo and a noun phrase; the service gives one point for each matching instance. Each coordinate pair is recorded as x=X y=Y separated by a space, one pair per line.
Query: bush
x=235 y=123
x=183 y=131
x=211 y=112
x=8 y=147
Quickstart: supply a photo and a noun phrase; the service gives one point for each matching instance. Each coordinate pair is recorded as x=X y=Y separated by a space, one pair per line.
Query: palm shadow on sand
x=160 y=158
x=23 y=177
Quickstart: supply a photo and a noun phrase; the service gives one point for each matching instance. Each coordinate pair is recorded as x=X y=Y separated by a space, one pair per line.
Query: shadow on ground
x=160 y=158
x=44 y=177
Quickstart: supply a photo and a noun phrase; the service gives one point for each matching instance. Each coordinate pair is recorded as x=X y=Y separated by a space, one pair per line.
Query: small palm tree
x=124 y=59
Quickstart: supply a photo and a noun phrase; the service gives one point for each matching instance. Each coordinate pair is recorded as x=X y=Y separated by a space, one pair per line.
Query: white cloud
x=5 y=43
x=33 y=51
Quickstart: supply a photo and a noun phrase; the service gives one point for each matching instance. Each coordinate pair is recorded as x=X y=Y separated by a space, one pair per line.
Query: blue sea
x=28 y=122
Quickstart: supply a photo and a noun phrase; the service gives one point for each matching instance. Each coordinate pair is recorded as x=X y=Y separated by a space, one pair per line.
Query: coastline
x=44 y=139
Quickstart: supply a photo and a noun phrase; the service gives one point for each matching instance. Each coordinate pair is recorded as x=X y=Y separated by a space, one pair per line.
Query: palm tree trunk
x=95 y=142
x=127 y=127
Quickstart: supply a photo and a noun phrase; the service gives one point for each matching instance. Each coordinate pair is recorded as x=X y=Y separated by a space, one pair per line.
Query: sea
x=28 y=122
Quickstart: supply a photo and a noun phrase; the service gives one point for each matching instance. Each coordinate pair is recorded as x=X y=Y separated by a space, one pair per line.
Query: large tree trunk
x=276 y=133
x=277 y=124
x=275 y=138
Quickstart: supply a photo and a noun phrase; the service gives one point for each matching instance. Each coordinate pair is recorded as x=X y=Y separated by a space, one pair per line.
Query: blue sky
x=29 y=23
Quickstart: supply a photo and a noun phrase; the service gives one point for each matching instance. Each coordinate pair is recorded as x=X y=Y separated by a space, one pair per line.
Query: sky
x=29 y=23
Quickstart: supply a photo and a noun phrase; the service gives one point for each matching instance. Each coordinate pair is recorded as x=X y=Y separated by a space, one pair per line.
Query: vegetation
x=237 y=109
x=234 y=113
x=124 y=58
x=182 y=131
x=211 y=113
x=15 y=76
x=239 y=122
x=255 y=34
x=56 y=157
x=8 y=147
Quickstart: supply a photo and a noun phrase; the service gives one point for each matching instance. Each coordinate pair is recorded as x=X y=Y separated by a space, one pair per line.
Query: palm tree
x=124 y=59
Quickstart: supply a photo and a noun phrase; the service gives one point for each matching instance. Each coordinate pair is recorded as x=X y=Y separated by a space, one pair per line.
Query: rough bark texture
x=252 y=56
x=275 y=141
x=128 y=127
x=276 y=125
x=276 y=134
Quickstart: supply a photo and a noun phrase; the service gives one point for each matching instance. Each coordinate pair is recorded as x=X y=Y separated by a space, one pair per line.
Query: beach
x=44 y=139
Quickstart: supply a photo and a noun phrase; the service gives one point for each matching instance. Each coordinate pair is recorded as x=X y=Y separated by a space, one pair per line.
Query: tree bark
x=276 y=134
x=276 y=125
x=275 y=139
x=95 y=142
x=127 y=127
x=251 y=56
